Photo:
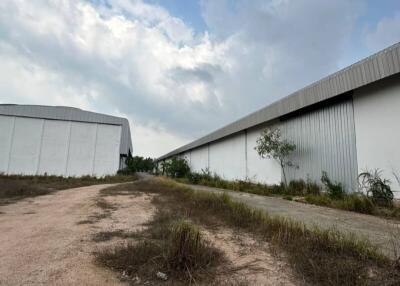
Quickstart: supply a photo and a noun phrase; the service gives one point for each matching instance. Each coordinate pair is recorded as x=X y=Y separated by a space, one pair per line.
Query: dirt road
x=45 y=242
x=50 y=240
x=381 y=232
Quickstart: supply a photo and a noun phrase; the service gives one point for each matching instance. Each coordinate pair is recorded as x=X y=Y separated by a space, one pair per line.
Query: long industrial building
x=342 y=124
x=63 y=141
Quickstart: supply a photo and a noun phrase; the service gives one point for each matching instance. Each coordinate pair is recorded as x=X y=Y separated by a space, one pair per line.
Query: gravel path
x=381 y=232
x=42 y=243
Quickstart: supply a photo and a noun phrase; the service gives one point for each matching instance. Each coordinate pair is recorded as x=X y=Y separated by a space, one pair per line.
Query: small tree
x=271 y=145
x=176 y=167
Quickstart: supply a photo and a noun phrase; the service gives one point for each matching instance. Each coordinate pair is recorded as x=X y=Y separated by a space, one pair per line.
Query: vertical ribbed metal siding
x=71 y=114
x=325 y=141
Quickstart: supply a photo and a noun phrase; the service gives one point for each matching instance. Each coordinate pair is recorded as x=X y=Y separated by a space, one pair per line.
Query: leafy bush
x=138 y=164
x=335 y=190
x=312 y=188
x=176 y=167
x=376 y=187
x=297 y=187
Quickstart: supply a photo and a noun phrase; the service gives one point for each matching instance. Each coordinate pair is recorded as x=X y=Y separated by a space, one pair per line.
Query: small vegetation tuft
x=187 y=249
x=108 y=235
x=352 y=202
x=372 y=183
x=335 y=190
x=174 y=247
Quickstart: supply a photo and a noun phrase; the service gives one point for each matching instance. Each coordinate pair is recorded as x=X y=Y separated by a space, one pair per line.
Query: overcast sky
x=178 y=69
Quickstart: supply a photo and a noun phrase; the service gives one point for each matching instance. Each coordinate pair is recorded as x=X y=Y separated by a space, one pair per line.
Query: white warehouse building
x=342 y=124
x=63 y=141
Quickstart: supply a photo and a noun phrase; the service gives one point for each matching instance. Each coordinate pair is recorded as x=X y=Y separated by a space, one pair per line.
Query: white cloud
x=133 y=58
x=386 y=33
x=21 y=81
x=146 y=139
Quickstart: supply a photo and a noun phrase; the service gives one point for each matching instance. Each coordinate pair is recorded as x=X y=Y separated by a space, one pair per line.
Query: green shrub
x=138 y=164
x=296 y=187
x=312 y=188
x=335 y=190
x=376 y=187
x=176 y=167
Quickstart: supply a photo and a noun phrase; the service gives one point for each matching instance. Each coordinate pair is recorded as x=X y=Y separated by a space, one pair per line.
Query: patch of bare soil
x=252 y=262
x=130 y=214
x=45 y=240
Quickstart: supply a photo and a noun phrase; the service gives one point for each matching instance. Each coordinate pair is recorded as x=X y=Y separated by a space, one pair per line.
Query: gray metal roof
x=71 y=114
x=371 y=69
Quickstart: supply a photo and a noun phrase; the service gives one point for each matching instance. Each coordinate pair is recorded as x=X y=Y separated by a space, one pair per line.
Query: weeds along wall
x=324 y=138
x=32 y=146
x=343 y=124
x=325 y=141
x=345 y=137
x=377 y=125
x=234 y=158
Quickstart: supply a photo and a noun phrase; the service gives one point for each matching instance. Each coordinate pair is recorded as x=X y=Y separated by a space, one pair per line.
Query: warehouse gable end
x=64 y=141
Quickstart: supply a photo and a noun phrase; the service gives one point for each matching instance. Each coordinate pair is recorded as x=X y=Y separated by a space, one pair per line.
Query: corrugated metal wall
x=32 y=146
x=325 y=141
x=67 y=113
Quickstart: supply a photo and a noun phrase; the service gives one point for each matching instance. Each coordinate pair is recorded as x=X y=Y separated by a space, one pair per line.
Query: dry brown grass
x=318 y=257
x=169 y=245
x=15 y=187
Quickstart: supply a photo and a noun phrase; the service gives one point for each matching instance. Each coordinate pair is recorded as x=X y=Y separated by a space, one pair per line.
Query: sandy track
x=43 y=244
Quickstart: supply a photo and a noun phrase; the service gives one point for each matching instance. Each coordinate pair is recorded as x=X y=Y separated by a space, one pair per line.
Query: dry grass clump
x=180 y=251
x=10 y=189
x=187 y=249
